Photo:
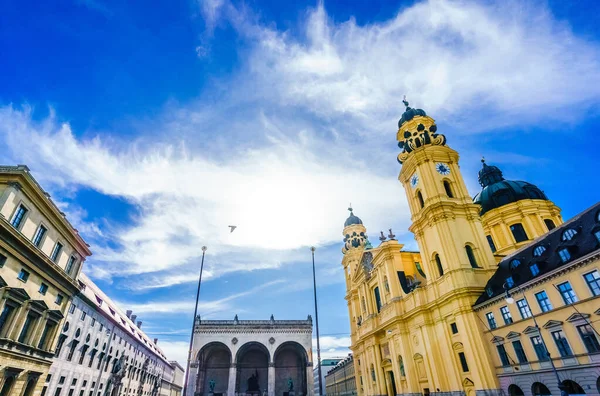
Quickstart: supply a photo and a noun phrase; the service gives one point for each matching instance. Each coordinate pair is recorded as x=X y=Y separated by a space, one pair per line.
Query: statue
x=253 y=383
x=290 y=385
x=211 y=385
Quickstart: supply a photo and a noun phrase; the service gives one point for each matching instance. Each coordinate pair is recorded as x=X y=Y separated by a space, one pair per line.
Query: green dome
x=497 y=191
x=409 y=114
x=351 y=220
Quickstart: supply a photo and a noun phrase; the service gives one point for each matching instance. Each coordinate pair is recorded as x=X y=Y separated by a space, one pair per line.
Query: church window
x=448 y=189
x=373 y=373
x=518 y=232
x=463 y=362
x=568 y=234
x=471 y=256
x=438 y=262
x=539 y=250
x=515 y=263
x=549 y=224
x=454 y=328
x=491 y=243
x=377 y=298
x=420 y=198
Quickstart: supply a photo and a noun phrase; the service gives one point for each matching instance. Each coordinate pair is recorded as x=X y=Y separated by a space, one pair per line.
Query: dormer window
x=568 y=234
x=510 y=281
x=489 y=291
x=515 y=263
x=539 y=250
x=564 y=255
x=535 y=270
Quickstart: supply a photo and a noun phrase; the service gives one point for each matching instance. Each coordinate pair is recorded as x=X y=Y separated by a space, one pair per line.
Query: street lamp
x=312 y=249
x=187 y=371
x=510 y=300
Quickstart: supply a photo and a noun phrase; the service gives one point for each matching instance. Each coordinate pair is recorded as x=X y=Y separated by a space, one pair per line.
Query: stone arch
x=514 y=390
x=290 y=360
x=573 y=388
x=539 y=389
x=214 y=361
x=252 y=360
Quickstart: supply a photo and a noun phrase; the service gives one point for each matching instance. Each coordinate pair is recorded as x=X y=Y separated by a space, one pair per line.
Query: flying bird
x=232 y=228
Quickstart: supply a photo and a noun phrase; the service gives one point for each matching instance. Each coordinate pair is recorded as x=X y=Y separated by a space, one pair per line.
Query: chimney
x=128 y=313
x=156 y=341
x=139 y=324
x=133 y=318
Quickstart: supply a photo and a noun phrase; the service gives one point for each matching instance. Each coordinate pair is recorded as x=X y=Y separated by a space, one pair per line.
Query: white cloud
x=175 y=350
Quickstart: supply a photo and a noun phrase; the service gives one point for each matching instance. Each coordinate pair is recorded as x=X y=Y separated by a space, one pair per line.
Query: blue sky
x=155 y=126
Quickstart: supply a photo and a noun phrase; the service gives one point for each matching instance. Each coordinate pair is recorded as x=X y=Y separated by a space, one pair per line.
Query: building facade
x=41 y=256
x=413 y=328
x=103 y=351
x=540 y=310
x=178 y=378
x=251 y=357
x=341 y=381
x=326 y=366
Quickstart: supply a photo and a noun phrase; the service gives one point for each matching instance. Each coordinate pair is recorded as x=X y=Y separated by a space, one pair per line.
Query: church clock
x=414 y=180
x=442 y=169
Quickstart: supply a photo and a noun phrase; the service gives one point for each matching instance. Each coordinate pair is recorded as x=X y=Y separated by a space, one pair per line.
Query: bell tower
x=445 y=221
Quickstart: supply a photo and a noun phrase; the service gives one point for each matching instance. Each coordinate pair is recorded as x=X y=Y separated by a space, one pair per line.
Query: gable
x=578 y=316
x=552 y=323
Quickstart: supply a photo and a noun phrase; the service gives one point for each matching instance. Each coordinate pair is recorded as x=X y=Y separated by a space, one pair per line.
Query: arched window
x=549 y=224
x=539 y=389
x=448 y=189
x=373 y=373
x=573 y=388
x=471 y=256
x=491 y=243
x=515 y=263
x=514 y=390
x=568 y=234
x=438 y=262
x=401 y=364
x=539 y=250
x=420 y=198
x=518 y=232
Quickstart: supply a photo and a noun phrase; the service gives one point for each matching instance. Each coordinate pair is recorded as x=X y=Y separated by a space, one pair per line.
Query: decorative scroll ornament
x=416 y=130
x=355 y=240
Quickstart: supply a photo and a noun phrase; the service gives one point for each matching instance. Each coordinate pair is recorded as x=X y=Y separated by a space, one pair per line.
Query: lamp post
x=312 y=249
x=187 y=371
x=510 y=300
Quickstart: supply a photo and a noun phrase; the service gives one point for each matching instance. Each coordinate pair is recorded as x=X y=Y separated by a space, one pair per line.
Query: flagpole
x=312 y=249
x=187 y=371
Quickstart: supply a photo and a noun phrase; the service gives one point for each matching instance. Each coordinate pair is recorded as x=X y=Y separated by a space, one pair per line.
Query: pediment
x=497 y=339
x=578 y=316
x=552 y=323
x=38 y=305
x=3 y=282
x=55 y=315
x=467 y=382
x=530 y=329
x=386 y=362
x=513 y=334
x=18 y=294
x=597 y=312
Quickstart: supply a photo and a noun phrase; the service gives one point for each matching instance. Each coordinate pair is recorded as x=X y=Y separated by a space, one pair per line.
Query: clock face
x=442 y=169
x=414 y=180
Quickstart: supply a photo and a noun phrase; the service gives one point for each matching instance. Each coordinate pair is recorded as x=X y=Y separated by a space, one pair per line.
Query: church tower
x=445 y=221
x=457 y=262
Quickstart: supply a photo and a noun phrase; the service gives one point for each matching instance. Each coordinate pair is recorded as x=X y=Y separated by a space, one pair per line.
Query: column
x=310 y=380
x=232 y=380
x=271 y=383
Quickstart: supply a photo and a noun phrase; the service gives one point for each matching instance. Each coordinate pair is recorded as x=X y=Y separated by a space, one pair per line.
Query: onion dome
x=352 y=219
x=409 y=113
x=497 y=191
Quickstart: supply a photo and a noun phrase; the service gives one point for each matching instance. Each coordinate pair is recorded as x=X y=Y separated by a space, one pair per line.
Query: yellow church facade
x=414 y=328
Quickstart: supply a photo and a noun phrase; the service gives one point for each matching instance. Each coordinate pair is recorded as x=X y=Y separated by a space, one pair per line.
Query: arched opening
x=420 y=199
x=252 y=362
x=7 y=386
x=539 y=389
x=29 y=388
x=573 y=388
x=471 y=256
x=598 y=384
x=290 y=361
x=438 y=263
x=214 y=361
x=448 y=189
x=514 y=390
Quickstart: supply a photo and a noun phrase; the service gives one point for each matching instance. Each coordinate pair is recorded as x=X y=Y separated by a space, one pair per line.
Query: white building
x=251 y=357
x=103 y=351
x=326 y=366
